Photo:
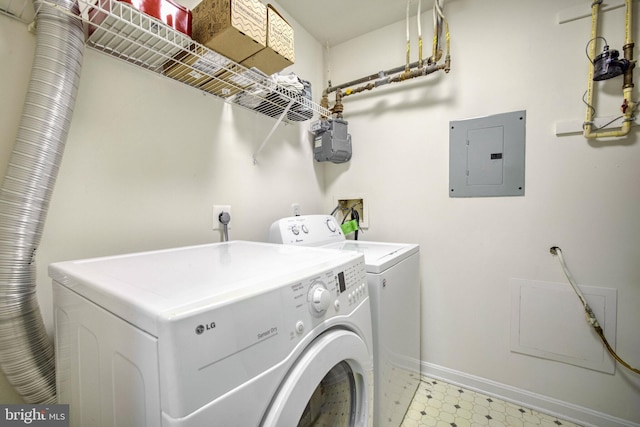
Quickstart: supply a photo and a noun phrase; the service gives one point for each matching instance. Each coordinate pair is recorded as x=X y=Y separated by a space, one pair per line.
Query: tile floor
x=438 y=404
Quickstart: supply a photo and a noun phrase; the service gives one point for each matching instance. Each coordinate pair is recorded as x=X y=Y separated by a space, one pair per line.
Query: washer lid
x=378 y=256
x=143 y=288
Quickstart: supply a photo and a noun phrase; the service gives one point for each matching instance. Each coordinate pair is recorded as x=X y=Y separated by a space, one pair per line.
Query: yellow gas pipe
x=406 y=67
x=419 y=34
x=628 y=106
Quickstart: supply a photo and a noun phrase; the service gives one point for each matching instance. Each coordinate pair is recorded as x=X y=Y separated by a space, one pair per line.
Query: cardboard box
x=196 y=66
x=227 y=84
x=279 y=52
x=235 y=28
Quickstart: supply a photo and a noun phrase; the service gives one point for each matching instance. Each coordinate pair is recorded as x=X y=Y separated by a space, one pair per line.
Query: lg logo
x=200 y=329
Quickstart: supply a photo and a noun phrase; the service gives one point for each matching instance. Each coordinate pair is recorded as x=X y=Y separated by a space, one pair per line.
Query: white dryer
x=393 y=277
x=228 y=334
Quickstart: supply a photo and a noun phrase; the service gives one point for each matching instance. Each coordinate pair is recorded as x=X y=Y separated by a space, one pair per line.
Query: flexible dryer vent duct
x=26 y=352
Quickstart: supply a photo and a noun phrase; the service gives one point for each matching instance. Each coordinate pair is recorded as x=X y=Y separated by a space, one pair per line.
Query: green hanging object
x=349 y=227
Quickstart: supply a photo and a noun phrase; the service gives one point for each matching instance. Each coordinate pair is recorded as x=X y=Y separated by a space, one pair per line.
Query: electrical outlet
x=295 y=207
x=217 y=210
x=357 y=202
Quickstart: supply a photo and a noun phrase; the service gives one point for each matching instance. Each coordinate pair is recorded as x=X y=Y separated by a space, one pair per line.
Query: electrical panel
x=487 y=156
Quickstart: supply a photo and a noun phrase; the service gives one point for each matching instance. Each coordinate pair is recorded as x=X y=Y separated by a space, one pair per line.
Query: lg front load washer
x=228 y=334
x=393 y=277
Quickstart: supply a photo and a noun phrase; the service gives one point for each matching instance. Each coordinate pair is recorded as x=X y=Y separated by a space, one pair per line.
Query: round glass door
x=333 y=401
x=330 y=385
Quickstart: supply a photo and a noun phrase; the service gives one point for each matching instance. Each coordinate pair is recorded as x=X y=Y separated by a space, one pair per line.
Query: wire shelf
x=21 y=10
x=119 y=30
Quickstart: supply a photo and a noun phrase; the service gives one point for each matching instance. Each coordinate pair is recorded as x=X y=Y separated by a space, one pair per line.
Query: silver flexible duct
x=26 y=352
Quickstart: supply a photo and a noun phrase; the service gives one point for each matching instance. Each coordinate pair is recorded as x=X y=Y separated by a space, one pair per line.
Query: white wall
x=147 y=158
x=580 y=195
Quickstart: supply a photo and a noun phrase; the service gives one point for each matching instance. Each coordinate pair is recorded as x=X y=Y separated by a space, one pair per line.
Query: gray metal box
x=487 y=156
x=332 y=141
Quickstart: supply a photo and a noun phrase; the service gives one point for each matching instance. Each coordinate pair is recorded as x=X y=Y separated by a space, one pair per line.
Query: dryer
x=393 y=277
x=227 y=334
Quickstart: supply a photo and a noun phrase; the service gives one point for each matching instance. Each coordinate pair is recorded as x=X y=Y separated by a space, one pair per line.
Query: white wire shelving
x=119 y=30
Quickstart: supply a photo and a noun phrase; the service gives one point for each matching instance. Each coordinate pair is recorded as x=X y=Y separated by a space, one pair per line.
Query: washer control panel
x=308 y=230
x=333 y=293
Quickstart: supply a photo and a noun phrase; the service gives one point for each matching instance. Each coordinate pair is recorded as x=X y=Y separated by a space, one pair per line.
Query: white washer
x=229 y=334
x=393 y=277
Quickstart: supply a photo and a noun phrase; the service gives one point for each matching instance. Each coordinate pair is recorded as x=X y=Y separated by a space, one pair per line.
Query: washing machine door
x=329 y=385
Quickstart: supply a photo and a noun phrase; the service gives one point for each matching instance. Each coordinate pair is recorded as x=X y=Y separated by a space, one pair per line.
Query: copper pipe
x=338 y=108
x=398 y=78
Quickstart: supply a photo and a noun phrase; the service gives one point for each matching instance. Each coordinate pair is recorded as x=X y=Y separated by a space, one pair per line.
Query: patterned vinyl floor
x=438 y=404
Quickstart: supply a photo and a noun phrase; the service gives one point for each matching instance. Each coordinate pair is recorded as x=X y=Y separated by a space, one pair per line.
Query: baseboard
x=548 y=405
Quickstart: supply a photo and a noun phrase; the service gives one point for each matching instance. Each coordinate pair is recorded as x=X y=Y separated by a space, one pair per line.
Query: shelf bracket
x=275 y=125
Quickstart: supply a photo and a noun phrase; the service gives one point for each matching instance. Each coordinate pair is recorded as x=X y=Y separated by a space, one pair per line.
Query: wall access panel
x=487 y=156
x=548 y=321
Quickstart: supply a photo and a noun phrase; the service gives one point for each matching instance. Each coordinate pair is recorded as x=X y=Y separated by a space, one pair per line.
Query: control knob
x=319 y=298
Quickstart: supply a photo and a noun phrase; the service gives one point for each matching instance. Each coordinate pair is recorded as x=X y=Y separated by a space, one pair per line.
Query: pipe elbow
x=625 y=129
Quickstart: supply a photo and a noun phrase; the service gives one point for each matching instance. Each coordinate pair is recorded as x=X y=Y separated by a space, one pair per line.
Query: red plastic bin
x=172 y=14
